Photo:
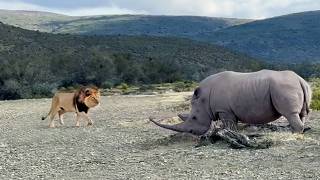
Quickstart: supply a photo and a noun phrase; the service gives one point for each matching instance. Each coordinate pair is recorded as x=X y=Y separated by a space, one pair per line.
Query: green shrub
x=315 y=103
x=184 y=86
x=123 y=86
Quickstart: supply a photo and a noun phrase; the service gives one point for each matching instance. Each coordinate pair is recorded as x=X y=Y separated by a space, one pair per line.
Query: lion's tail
x=44 y=117
x=54 y=102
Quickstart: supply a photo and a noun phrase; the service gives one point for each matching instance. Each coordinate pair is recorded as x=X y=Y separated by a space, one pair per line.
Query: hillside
x=32 y=20
x=178 y=26
x=292 y=38
x=35 y=63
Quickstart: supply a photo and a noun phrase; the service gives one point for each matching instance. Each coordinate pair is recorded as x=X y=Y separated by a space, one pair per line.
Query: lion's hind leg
x=53 y=111
x=52 y=115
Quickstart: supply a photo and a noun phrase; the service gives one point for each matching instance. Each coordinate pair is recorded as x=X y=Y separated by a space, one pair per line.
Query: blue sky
x=254 y=9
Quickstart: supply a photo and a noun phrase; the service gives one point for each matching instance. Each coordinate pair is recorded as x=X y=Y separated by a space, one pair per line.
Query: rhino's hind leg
x=295 y=122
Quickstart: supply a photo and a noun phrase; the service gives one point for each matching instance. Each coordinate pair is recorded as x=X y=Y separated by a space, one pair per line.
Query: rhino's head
x=199 y=120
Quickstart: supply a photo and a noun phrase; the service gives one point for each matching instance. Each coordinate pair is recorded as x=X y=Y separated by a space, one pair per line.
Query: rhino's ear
x=196 y=93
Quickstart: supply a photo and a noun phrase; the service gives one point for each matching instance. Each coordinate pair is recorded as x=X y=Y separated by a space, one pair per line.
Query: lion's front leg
x=78 y=120
x=90 y=122
x=84 y=115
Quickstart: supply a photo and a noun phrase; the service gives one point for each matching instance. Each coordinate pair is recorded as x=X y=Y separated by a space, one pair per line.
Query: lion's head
x=90 y=96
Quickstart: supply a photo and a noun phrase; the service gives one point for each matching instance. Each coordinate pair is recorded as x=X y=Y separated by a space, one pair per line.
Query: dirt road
x=123 y=144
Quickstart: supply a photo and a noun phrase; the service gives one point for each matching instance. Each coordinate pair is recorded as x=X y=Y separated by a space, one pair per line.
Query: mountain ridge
x=153 y=25
x=289 y=38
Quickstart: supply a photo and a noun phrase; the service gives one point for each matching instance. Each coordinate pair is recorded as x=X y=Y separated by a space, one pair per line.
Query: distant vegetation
x=34 y=64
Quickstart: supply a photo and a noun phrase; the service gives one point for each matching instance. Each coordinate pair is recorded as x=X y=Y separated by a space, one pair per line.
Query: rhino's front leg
x=238 y=140
x=235 y=139
x=213 y=135
x=229 y=134
x=209 y=137
x=228 y=120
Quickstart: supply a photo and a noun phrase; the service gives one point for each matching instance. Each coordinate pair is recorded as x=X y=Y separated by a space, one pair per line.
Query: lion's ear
x=81 y=94
x=87 y=92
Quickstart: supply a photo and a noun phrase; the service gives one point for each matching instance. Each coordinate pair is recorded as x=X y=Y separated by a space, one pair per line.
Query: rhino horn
x=183 y=117
x=181 y=127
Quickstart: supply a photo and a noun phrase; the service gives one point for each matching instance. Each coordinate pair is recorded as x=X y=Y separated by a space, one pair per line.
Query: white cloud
x=218 y=8
x=224 y=8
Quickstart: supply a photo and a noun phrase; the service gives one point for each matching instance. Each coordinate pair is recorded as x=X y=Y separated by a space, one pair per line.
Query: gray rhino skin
x=251 y=98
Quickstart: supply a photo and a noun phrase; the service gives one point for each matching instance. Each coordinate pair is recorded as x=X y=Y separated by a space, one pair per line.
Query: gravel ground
x=123 y=144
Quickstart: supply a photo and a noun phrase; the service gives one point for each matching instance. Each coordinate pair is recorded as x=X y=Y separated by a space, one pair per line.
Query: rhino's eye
x=203 y=100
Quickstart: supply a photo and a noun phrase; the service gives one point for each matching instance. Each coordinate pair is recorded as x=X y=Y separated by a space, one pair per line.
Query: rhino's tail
x=307 y=94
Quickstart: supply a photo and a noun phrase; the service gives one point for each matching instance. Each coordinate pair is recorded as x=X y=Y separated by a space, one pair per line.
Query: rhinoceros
x=252 y=98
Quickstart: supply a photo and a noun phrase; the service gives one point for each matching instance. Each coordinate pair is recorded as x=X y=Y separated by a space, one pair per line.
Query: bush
x=315 y=103
x=123 y=86
x=184 y=86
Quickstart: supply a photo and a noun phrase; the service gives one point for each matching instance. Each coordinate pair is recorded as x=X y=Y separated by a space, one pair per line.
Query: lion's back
x=65 y=101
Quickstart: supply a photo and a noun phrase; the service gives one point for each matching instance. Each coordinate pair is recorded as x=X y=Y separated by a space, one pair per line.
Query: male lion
x=78 y=102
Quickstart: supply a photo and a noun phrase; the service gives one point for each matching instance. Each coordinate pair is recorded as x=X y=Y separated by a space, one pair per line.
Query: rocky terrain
x=123 y=144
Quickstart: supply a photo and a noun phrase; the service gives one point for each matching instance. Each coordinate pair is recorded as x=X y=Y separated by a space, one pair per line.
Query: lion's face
x=92 y=97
